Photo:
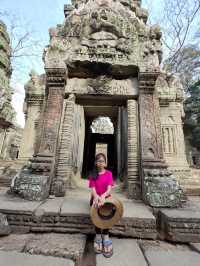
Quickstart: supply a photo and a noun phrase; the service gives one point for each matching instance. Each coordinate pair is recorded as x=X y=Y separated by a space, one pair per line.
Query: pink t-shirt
x=102 y=182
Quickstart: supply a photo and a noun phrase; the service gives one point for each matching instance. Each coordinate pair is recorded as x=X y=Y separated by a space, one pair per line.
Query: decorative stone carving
x=134 y=185
x=103 y=50
x=170 y=92
x=102 y=85
x=33 y=109
x=160 y=187
x=32 y=182
x=7 y=113
x=111 y=32
x=10 y=142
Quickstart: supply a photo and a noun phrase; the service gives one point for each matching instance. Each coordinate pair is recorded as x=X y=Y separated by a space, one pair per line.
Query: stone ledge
x=180 y=225
x=71 y=215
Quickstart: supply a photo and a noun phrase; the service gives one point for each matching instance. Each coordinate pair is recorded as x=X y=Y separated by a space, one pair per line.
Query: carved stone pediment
x=106 y=31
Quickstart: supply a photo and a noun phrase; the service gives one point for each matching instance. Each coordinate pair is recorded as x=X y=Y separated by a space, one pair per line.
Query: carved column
x=33 y=103
x=35 y=180
x=118 y=143
x=160 y=188
x=134 y=188
x=64 y=166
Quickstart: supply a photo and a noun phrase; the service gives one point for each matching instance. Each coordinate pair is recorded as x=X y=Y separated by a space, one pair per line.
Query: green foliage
x=192 y=114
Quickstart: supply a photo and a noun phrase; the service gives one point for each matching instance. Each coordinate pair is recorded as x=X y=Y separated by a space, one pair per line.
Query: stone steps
x=5 y=182
x=126 y=253
x=180 y=225
x=191 y=185
x=71 y=215
x=8 y=169
x=192 y=190
x=19 y=259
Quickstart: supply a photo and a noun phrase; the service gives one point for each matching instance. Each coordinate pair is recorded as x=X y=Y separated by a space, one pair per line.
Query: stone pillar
x=64 y=167
x=134 y=187
x=118 y=144
x=29 y=134
x=34 y=181
x=159 y=187
x=2 y=142
x=70 y=151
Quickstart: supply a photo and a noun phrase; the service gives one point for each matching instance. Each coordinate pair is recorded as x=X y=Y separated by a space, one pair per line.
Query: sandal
x=107 y=243
x=97 y=249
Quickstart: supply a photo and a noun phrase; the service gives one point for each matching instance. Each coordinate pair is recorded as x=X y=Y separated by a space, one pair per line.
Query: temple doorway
x=99 y=137
x=103 y=131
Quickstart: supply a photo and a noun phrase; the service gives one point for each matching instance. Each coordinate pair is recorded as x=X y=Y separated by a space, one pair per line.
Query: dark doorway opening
x=98 y=142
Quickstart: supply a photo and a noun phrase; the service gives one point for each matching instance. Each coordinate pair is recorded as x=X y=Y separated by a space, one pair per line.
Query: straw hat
x=107 y=215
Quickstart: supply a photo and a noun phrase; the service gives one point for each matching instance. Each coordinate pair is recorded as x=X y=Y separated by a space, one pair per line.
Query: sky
x=37 y=16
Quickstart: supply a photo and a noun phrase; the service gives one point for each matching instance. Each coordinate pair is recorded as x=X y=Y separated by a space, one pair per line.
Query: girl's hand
x=101 y=201
x=96 y=201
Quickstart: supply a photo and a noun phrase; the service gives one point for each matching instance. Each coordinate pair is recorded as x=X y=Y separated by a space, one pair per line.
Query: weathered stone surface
x=195 y=246
x=51 y=206
x=69 y=246
x=181 y=225
x=161 y=189
x=104 y=50
x=33 y=104
x=4 y=226
x=31 y=186
x=14 y=242
x=72 y=205
x=171 y=97
x=7 y=113
x=71 y=215
x=20 y=259
x=126 y=252
x=169 y=255
x=137 y=221
x=13 y=204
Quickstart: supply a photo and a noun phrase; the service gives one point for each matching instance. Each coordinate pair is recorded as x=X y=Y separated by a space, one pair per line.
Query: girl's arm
x=95 y=197
x=94 y=193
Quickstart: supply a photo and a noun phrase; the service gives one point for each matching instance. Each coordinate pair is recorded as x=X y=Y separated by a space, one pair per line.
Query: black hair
x=95 y=173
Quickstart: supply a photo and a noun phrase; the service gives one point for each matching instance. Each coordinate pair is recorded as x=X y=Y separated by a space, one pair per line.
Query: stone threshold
x=71 y=215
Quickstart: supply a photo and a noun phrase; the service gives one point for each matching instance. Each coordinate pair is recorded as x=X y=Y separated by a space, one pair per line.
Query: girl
x=101 y=182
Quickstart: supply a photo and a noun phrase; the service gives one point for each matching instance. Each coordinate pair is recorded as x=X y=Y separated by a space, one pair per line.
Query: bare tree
x=24 y=42
x=179 y=20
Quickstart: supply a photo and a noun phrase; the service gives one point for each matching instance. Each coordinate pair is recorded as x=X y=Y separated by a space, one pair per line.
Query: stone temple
x=104 y=61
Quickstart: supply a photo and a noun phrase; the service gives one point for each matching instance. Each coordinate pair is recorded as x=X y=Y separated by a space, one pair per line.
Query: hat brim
x=107 y=223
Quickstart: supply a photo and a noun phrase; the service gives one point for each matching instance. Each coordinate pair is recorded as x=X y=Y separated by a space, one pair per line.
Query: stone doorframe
x=64 y=173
